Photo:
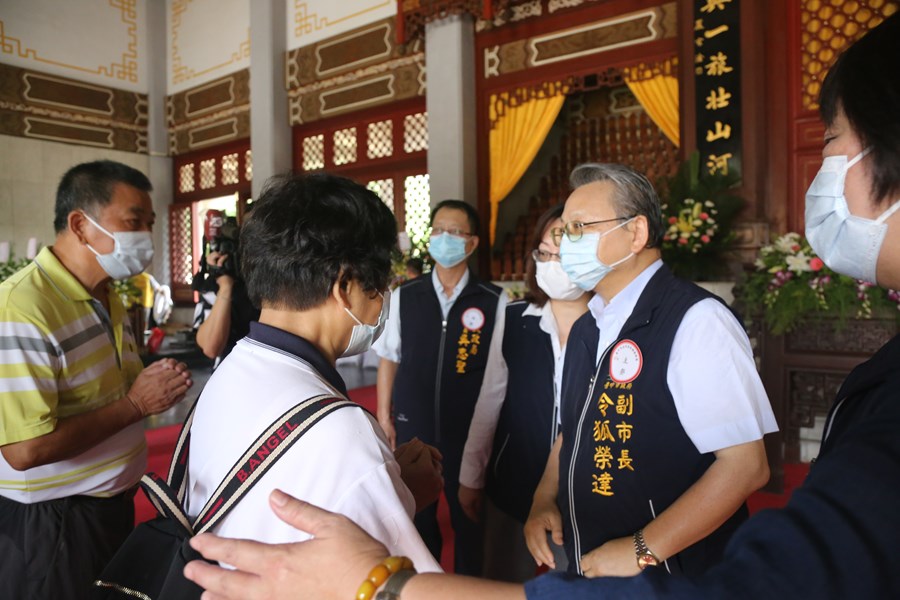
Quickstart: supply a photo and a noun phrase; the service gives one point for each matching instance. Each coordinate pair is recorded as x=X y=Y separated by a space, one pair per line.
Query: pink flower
x=795 y=247
x=682 y=241
x=816 y=264
x=673 y=220
x=704 y=216
x=704 y=239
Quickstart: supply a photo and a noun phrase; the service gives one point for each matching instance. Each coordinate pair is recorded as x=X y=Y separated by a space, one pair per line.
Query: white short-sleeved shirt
x=730 y=408
x=388 y=344
x=342 y=464
x=480 y=440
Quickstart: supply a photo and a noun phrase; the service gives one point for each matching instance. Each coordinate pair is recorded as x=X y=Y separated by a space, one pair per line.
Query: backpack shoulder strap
x=165 y=500
x=262 y=454
x=178 y=467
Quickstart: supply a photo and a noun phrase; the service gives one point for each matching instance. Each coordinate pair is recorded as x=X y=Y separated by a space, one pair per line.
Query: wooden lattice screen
x=208 y=173
x=385 y=149
x=181 y=263
x=629 y=138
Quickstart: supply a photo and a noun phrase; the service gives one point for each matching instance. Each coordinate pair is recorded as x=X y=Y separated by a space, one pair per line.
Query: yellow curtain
x=656 y=88
x=516 y=136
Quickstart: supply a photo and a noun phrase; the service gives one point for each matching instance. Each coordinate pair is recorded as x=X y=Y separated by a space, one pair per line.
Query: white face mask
x=553 y=280
x=363 y=336
x=131 y=254
x=846 y=243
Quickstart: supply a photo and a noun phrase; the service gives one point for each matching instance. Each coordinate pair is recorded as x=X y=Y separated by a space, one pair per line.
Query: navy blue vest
x=525 y=429
x=443 y=362
x=632 y=458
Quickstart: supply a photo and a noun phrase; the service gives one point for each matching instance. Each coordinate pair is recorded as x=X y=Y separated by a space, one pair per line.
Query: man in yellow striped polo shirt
x=72 y=391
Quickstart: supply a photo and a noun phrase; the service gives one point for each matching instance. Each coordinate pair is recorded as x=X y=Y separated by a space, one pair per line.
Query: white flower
x=759 y=264
x=786 y=243
x=798 y=263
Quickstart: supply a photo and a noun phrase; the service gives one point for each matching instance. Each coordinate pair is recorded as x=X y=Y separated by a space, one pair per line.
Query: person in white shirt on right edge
x=516 y=419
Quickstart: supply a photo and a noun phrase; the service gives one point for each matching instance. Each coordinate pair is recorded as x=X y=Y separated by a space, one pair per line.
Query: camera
x=221 y=235
x=223 y=244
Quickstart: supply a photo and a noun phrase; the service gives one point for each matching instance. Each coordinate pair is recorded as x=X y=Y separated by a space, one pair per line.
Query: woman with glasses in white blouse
x=516 y=418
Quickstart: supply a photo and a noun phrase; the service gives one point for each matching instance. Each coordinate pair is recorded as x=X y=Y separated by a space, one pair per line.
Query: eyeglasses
x=575 y=229
x=451 y=230
x=543 y=256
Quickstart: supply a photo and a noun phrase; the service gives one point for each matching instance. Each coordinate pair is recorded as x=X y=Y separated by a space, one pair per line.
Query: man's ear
x=77 y=224
x=640 y=231
x=474 y=241
x=341 y=291
x=339 y=294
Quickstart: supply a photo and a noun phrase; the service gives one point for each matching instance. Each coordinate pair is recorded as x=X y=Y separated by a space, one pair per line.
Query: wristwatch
x=645 y=558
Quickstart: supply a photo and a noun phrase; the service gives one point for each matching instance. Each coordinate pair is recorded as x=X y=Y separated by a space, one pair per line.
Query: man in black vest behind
x=433 y=355
x=662 y=409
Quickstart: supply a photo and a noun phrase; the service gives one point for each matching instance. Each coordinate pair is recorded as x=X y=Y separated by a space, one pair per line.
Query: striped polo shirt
x=62 y=354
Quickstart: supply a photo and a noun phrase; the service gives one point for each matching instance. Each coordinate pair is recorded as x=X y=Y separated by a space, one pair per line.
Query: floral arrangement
x=792 y=284
x=699 y=210
x=128 y=291
x=9 y=267
x=695 y=226
x=399 y=258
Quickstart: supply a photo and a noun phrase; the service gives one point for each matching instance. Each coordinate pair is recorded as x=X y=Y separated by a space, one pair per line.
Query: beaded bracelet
x=380 y=573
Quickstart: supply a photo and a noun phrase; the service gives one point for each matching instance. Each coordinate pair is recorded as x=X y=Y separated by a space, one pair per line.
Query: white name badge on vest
x=473 y=319
x=626 y=362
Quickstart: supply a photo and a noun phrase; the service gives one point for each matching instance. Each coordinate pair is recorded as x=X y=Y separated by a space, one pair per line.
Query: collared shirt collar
x=445 y=301
x=299 y=347
x=548 y=319
x=622 y=305
x=60 y=276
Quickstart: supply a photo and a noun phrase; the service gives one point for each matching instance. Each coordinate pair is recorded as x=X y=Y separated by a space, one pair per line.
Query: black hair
x=416 y=264
x=471 y=213
x=865 y=83
x=308 y=231
x=90 y=185
x=634 y=195
x=533 y=292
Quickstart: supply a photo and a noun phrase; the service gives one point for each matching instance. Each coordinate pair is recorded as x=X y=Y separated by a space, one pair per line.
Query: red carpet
x=794 y=474
x=161 y=441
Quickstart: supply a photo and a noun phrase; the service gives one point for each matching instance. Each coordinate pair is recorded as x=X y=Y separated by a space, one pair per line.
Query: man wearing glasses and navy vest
x=434 y=350
x=662 y=410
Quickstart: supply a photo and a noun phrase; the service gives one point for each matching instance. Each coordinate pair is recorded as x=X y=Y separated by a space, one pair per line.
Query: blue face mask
x=579 y=259
x=447 y=250
x=847 y=243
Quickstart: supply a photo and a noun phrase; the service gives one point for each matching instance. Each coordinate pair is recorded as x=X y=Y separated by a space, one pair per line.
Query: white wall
x=95 y=41
x=30 y=171
x=208 y=39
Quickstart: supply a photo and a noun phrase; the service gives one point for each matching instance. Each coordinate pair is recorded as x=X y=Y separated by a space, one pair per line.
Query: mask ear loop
x=893 y=208
x=858 y=157
x=97 y=225
x=384 y=298
x=630 y=254
x=890 y=211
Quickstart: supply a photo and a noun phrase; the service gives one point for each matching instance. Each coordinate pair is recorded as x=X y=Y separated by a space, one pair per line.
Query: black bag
x=150 y=563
